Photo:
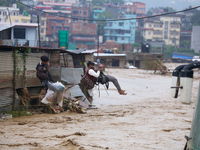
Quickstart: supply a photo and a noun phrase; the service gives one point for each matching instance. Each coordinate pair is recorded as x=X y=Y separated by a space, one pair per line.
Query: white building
x=195 y=40
x=12 y=10
x=19 y=34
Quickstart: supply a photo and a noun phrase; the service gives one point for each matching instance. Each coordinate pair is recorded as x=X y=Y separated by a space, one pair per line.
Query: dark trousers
x=113 y=80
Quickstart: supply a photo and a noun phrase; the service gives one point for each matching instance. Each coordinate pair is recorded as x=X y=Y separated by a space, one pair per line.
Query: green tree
x=195 y=19
x=170 y=49
x=167 y=9
x=103 y=16
x=135 y=45
x=10 y=2
x=98 y=2
x=138 y=36
x=185 y=44
x=3 y=3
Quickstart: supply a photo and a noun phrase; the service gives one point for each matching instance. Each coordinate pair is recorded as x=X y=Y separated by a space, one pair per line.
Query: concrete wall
x=108 y=61
x=141 y=60
x=31 y=36
x=195 y=41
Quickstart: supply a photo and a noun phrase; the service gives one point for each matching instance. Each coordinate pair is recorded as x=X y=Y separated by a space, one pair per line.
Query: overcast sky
x=176 y=4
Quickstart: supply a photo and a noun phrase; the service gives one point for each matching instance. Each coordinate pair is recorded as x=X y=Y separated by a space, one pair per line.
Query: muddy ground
x=147 y=118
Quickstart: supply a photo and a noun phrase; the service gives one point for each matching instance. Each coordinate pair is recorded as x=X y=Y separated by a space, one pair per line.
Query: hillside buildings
x=166 y=29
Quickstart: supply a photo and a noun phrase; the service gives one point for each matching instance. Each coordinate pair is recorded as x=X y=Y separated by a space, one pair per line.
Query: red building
x=54 y=23
x=137 y=8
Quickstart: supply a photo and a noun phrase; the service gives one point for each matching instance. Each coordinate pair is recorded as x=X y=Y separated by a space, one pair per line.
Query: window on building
x=157 y=26
x=75 y=12
x=24 y=21
x=111 y=38
x=115 y=38
x=174 y=41
x=16 y=20
x=19 y=33
x=149 y=33
x=121 y=23
x=128 y=31
x=42 y=23
x=121 y=32
x=174 y=34
x=149 y=25
x=10 y=13
x=85 y=13
x=157 y=33
x=175 y=19
x=4 y=13
x=111 y=31
x=174 y=26
x=46 y=29
x=110 y=24
x=42 y=38
x=0 y=12
x=42 y=30
x=122 y=38
x=140 y=9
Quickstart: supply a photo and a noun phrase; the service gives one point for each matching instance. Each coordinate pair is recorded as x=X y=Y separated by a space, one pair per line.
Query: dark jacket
x=43 y=73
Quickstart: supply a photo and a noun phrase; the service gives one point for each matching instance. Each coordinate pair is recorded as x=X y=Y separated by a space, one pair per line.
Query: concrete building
x=96 y=12
x=121 y=31
x=83 y=33
x=19 y=34
x=55 y=23
x=195 y=41
x=136 y=8
x=82 y=12
x=167 y=29
x=144 y=60
x=14 y=15
x=112 y=60
x=43 y=29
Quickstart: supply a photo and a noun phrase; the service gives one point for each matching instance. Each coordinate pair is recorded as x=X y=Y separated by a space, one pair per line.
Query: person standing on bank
x=93 y=75
x=46 y=79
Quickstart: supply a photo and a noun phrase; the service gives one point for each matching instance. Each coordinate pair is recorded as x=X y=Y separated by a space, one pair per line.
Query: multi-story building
x=11 y=14
x=167 y=29
x=96 y=12
x=82 y=12
x=55 y=23
x=43 y=29
x=136 y=8
x=83 y=33
x=121 y=31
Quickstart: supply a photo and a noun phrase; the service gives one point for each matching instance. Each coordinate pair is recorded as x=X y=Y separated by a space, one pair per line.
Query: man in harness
x=98 y=76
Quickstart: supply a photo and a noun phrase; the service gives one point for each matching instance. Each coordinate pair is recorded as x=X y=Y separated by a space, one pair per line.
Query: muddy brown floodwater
x=147 y=118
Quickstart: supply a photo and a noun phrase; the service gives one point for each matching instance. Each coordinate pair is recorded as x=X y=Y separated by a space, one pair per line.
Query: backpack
x=87 y=82
x=103 y=79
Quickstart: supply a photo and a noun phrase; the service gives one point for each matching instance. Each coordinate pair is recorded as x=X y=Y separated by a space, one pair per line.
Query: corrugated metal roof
x=4 y=27
x=71 y=75
x=104 y=54
x=19 y=24
x=89 y=51
x=76 y=51
x=6 y=99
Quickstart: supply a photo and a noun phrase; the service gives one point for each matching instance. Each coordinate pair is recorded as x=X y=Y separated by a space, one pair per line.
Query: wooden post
x=24 y=71
x=38 y=20
x=64 y=60
x=14 y=76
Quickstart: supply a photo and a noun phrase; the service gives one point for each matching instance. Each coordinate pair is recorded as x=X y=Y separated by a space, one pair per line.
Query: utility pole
x=38 y=20
x=9 y=16
x=98 y=61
